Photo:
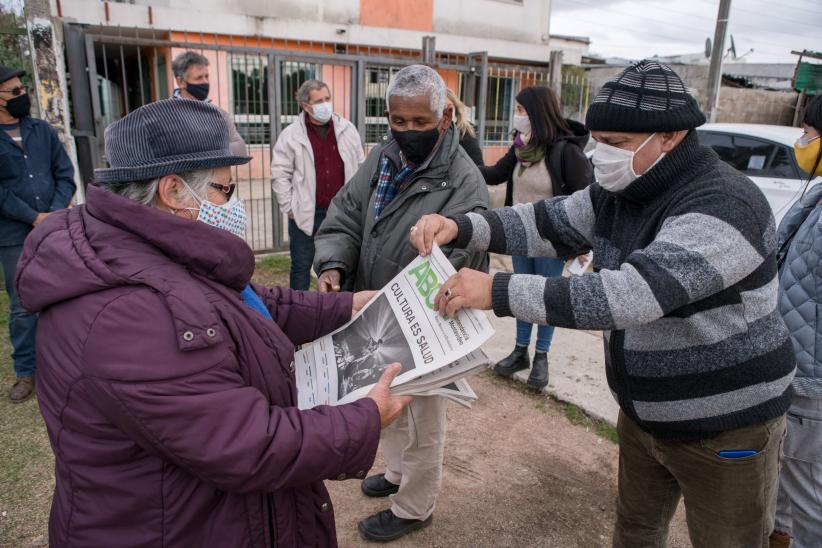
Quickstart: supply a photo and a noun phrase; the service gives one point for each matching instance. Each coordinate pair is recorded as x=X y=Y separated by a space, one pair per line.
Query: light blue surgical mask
x=321 y=112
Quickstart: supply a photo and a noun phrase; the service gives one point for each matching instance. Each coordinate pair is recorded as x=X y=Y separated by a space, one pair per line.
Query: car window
x=782 y=164
x=753 y=157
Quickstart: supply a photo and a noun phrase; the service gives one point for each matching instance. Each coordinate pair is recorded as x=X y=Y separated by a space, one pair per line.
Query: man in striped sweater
x=684 y=288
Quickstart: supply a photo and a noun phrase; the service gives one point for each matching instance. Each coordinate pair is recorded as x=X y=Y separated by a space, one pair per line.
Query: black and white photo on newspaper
x=397 y=325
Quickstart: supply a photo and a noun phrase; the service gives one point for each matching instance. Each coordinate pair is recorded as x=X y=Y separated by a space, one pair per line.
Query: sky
x=635 y=29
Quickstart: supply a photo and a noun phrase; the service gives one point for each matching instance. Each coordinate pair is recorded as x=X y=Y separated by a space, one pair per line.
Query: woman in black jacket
x=546 y=160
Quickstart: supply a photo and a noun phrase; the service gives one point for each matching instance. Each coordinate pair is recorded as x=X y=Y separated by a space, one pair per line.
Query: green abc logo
x=427 y=282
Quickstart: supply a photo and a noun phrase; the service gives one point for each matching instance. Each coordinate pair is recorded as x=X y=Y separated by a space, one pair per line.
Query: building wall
x=497 y=19
x=756 y=106
x=398 y=14
x=572 y=50
x=503 y=28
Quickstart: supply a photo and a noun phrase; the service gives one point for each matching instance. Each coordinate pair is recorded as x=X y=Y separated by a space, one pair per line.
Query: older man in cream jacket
x=313 y=158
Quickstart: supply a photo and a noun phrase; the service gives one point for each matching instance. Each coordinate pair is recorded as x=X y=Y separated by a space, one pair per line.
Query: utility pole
x=715 y=73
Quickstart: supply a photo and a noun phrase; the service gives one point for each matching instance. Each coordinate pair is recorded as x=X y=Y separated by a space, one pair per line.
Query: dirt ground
x=517 y=473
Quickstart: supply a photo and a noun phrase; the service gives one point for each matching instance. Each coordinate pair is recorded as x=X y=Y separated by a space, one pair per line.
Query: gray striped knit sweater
x=684 y=287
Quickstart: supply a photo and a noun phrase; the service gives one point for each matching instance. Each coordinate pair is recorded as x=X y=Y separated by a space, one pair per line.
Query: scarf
x=526 y=155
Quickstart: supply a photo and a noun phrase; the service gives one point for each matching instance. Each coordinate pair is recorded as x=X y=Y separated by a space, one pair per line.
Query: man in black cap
x=685 y=290
x=36 y=178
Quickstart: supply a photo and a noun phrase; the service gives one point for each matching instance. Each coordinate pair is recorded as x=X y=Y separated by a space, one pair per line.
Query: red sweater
x=328 y=164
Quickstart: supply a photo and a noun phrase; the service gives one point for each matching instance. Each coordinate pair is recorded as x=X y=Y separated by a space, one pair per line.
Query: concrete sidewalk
x=576 y=366
x=576 y=362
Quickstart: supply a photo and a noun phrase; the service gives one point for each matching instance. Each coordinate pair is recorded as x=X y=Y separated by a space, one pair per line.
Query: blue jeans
x=22 y=325
x=302 y=251
x=541 y=266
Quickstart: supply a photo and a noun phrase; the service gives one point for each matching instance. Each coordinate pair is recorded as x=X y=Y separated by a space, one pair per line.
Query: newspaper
x=579 y=265
x=397 y=325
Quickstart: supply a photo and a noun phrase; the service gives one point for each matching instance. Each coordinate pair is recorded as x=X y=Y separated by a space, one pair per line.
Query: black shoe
x=385 y=526
x=538 y=379
x=377 y=486
x=515 y=361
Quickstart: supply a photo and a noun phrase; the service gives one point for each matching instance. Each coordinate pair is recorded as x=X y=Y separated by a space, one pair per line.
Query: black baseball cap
x=7 y=73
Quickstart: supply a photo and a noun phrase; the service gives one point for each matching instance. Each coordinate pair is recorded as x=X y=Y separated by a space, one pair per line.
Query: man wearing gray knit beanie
x=684 y=288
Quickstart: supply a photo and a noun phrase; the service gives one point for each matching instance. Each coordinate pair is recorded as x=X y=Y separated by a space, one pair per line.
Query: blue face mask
x=198 y=91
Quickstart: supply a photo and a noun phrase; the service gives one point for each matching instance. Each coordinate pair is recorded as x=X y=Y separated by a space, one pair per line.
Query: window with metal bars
x=376 y=84
x=499 y=108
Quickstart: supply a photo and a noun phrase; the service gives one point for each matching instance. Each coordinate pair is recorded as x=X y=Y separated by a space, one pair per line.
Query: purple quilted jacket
x=169 y=403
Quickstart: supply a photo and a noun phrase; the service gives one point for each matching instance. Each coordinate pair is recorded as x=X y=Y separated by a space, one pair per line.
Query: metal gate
x=253 y=79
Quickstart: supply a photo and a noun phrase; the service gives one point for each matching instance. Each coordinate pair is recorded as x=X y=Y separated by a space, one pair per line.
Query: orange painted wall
x=398 y=14
x=452 y=79
x=338 y=78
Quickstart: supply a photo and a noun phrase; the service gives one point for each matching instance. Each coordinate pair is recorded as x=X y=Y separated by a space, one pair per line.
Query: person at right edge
x=547 y=159
x=684 y=289
x=418 y=168
x=799 y=504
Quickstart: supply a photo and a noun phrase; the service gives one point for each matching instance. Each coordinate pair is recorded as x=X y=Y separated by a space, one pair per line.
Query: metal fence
x=255 y=79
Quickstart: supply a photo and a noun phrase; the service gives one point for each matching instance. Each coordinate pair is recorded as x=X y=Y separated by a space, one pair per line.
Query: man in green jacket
x=419 y=168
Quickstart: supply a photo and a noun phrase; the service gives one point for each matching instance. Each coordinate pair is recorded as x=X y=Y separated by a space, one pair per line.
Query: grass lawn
x=26 y=461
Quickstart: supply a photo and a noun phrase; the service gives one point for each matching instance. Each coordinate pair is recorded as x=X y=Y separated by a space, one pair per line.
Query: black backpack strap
x=556 y=163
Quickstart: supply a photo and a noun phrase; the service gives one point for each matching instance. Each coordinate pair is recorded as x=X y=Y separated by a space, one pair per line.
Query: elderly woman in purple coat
x=166 y=378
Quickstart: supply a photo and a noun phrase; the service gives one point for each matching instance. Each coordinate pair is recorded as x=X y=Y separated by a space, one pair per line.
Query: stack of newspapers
x=398 y=324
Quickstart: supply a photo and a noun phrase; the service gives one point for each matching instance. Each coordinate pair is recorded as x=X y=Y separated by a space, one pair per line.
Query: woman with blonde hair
x=468 y=136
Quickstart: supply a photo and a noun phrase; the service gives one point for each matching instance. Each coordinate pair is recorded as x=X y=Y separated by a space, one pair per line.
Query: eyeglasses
x=19 y=90
x=228 y=189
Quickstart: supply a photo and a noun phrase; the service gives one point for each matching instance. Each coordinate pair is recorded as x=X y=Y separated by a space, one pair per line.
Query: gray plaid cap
x=169 y=136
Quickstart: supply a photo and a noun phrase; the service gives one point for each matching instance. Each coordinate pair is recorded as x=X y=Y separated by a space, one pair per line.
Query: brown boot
x=779 y=540
x=22 y=390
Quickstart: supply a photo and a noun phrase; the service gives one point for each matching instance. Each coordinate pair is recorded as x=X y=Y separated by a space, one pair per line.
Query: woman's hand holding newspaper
x=389 y=406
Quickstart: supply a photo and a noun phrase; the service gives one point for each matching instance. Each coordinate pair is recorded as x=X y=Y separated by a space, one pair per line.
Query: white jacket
x=293 y=178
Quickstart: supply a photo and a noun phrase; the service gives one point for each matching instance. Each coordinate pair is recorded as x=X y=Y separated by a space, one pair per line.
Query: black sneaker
x=385 y=526
x=377 y=486
x=515 y=361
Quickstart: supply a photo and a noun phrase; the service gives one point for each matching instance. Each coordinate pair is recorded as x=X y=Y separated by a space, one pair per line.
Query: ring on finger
x=448 y=294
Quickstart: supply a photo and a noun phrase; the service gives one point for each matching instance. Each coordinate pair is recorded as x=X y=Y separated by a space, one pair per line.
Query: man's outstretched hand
x=430 y=230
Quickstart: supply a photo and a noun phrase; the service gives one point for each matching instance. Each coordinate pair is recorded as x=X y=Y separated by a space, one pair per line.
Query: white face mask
x=522 y=124
x=229 y=216
x=614 y=167
x=321 y=112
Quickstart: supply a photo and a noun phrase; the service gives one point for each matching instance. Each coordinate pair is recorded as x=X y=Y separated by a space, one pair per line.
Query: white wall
x=495 y=19
x=503 y=28
x=572 y=50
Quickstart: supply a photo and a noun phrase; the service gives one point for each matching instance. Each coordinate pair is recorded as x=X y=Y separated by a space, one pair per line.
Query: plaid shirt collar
x=390 y=182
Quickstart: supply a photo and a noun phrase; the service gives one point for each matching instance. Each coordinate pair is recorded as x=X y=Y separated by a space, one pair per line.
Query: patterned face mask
x=229 y=216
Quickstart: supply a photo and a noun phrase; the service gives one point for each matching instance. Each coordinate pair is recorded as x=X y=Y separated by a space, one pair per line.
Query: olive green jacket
x=369 y=251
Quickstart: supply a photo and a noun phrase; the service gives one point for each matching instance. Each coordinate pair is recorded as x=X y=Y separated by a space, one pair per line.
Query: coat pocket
x=803 y=441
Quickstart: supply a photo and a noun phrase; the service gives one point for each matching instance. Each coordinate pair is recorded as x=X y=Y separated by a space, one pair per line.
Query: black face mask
x=19 y=106
x=417 y=145
x=198 y=91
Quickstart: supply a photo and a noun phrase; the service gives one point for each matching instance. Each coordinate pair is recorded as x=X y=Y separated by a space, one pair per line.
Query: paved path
x=576 y=362
x=576 y=366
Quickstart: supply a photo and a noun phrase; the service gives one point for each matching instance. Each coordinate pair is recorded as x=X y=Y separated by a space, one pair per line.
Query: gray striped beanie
x=169 y=136
x=646 y=97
